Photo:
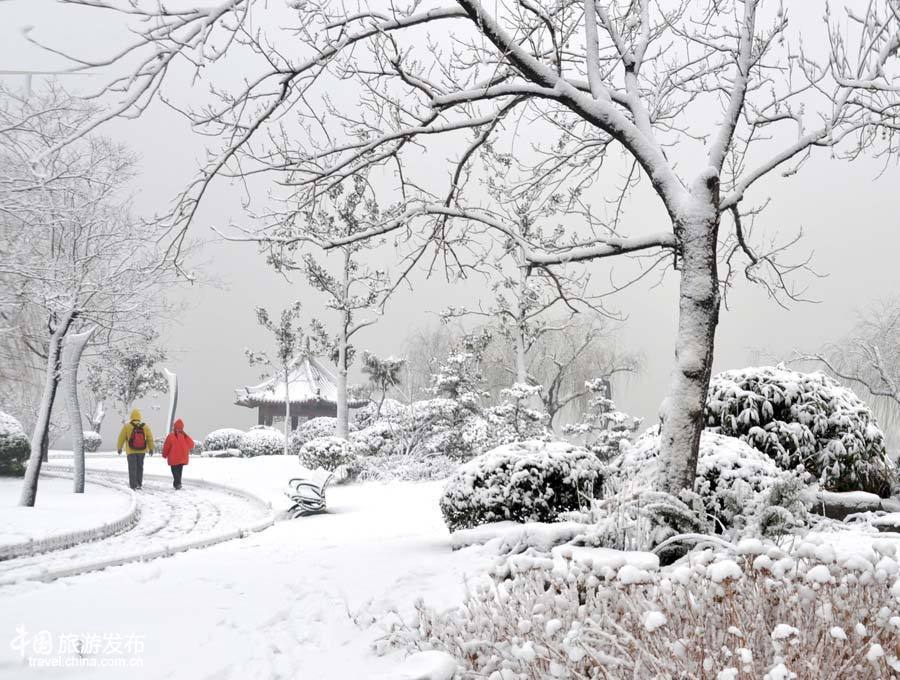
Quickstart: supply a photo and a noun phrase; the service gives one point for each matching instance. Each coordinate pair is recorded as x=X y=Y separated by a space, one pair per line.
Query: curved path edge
x=71 y=538
x=156 y=553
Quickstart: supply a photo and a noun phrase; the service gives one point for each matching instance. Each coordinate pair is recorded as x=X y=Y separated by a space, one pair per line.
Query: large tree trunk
x=41 y=436
x=698 y=307
x=73 y=347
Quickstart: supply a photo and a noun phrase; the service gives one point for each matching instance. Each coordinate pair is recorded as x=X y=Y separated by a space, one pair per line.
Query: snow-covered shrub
x=514 y=421
x=328 y=453
x=803 y=419
x=92 y=441
x=733 y=479
x=311 y=429
x=14 y=446
x=604 y=429
x=531 y=481
x=376 y=439
x=405 y=468
x=368 y=414
x=223 y=453
x=760 y=613
x=438 y=426
x=261 y=441
x=220 y=440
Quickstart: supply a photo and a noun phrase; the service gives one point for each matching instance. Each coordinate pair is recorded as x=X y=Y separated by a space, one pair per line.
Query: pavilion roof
x=310 y=380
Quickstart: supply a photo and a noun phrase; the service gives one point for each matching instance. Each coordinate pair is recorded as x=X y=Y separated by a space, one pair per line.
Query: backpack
x=138 y=440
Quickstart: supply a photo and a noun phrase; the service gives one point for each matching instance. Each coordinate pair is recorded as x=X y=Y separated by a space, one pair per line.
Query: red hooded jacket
x=178 y=445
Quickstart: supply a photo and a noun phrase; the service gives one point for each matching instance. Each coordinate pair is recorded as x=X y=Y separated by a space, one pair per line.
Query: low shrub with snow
x=311 y=429
x=261 y=441
x=532 y=481
x=328 y=453
x=803 y=419
x=14 y=446
x=405 y=468
x=92 y=441
x=759 y=612
x=220 y=440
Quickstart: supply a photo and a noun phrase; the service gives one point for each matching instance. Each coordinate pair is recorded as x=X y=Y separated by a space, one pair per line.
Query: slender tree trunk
x=172 y=381
x=342 y=415
x=343 y=341
x=97 y=420
x=73 y=347
x=521 y=366
x=682 y=411
x=287 y=408
x=41 y=436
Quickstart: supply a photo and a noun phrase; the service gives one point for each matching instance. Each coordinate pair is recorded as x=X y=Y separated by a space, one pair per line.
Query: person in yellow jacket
x=137 y=439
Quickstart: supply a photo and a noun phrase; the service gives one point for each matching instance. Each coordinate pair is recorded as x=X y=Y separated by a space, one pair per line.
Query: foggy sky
x=848 y=212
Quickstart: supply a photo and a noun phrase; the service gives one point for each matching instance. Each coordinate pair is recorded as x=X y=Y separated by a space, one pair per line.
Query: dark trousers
x=176 y=475
x=135 y=469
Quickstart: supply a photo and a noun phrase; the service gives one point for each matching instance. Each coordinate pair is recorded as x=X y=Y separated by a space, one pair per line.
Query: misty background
x=847 y=211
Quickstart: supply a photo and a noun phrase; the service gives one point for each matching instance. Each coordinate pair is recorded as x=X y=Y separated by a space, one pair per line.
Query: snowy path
x=297 y=601
x=167 y=518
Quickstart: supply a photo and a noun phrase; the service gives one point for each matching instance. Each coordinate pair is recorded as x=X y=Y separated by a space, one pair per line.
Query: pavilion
x=312 y=389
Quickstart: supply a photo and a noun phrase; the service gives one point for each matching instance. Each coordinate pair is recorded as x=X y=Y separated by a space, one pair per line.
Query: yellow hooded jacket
x=128 y=428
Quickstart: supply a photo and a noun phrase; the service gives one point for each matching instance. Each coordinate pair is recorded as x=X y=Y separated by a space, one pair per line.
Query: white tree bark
x=343 y=341
x=99 y=415
x=73 y=348
x=40 y=436
x=521 y=311
x=173 y=398
x=682 y=412
x=342 y=414
x=287 y=407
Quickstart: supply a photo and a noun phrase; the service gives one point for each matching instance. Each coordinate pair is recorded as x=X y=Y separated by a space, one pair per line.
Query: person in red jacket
x=177 y=450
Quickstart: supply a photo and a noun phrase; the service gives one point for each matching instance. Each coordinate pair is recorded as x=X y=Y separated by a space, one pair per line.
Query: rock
x=835 y=505
x=889 y=522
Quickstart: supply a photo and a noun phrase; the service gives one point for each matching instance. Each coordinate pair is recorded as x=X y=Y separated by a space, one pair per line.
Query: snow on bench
x=308 y=493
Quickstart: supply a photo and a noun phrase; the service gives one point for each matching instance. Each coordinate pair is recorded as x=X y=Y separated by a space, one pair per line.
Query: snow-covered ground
x=58 y=509
x=295 y=601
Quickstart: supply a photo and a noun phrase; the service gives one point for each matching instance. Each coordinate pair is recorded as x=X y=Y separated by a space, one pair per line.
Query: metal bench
x=308 y=493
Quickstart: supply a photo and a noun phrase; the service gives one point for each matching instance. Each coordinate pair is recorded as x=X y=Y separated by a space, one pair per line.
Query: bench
x=308 y=493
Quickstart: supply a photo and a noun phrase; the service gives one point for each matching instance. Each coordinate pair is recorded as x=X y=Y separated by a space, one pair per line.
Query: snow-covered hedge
x=220 y=440
x=328 y=453
x=532 y=481
x=439 y=426
x=405 y=468
x=92 y=441
x=763 y=613
x=311 y=429
x=803 y=419
x=733 y=479
x=261 y=441
x=14 y=446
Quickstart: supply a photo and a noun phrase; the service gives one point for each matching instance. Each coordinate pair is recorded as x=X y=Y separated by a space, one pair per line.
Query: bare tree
x=72 y=253
x=571 y=81
x=288 y=335
x=869 y=357
x=582 y=352
x=353 y=290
